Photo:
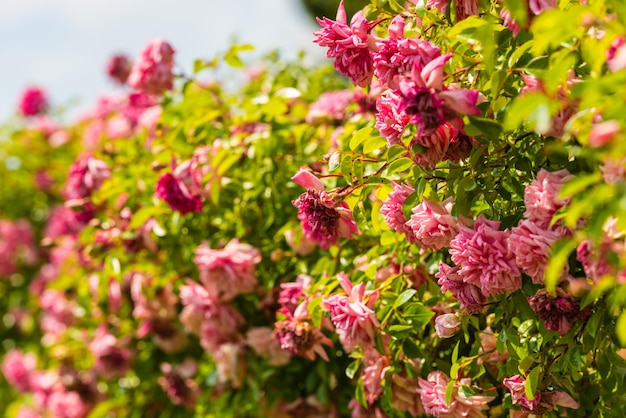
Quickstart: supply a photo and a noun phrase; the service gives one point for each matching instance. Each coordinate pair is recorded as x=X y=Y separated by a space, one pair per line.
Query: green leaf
x=404 y=297
x=353 y=368
x=360 y=136
x=466 y=391
x=232 y=55
x=373 y=144
x=558 y=260
x=410 y=349
x=532 y=382
x=489 y=127
x=534 y=109
x=399 y=165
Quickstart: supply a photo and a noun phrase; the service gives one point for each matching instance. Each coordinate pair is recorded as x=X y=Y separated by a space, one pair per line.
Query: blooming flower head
x=263 y=342
x=33 y=102
x=396 y=54
x=353 y=312
x=348 y=45
x=558 y=312
x=323 y=219
x=516 y=384
x=392 y=209
x=532 y=245
x=447 y=325
x=177 y=381
x=292 y=293
x=17 y=368
x=432 y=224
x=229 y=271
x=390 y=120
x=405 y=394
x=616 y=54
x=86 y=175
x=152 y=72
x=433 y=394
x=111 y=359
x=374 y=371
x=470 y=296
x=297 y=334
x=118 y=68
x=541 y=197
x=485 y=259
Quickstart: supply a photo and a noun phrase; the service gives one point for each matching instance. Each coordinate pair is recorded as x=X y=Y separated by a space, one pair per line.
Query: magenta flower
x=323 y=219
x=228 y=272
x=177 y=195
x=469 y=295
x=292 y=293
x=352 y=312
x=558 y=312
x=350 y=46
x=118 y=68
x=396 y=54
x=86 y=175
x=432 y=224
x=152 y=72
x=542 y=199
x=390 y=121
x=33 y=101
x=392 y=209
x=17 y=368
x=532 y=245
x=177 y=382
x=485 y=259
x=433 y=394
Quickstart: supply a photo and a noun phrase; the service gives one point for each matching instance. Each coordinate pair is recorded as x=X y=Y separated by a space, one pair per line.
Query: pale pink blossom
x=375 y=367
x=17 y=368
x=33 y=101
x=353 y=311
x=613 y=170
x=405 y=394
x=230 y=271
x=57 y=314
x=330 y=106
x=392 y=209
x=470 y=296
x=292 y=293
x=516 y=385
x=152 y=72
x=230 y=362
x=542 y=198
x=323 y=219
x=177 y=382
x=26 y=412
x=348 y=45
x=432 y=224
x=447 y=325
x=66 y=404
x=433 y=394
x=485 y=259
x=263 y=342
x=531 y=245
x=558 y=312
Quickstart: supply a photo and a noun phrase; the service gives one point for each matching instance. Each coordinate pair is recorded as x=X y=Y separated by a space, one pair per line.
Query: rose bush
x=440 y=232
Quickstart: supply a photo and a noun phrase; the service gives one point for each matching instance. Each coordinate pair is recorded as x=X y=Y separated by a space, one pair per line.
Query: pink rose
x=118 y=68
x=152 y=72
x=432 y=225
x=447 y=325
x=33 y=101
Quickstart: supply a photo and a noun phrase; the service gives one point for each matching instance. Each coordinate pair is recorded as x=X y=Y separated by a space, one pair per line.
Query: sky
x=63 y=45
